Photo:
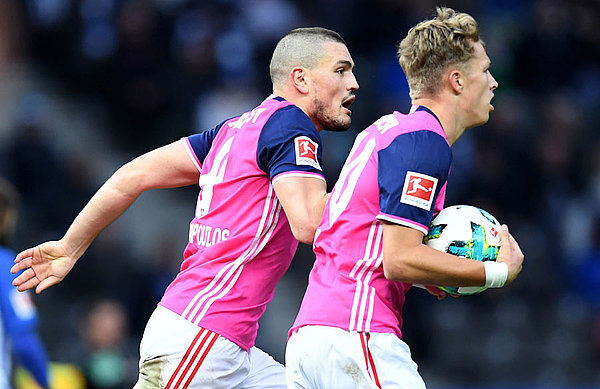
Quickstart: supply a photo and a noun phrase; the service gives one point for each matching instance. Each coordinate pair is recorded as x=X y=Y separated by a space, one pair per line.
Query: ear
x=456 y=81
x=299 y=78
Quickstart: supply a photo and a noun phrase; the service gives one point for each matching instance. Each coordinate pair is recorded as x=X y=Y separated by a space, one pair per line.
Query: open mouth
x=348 y=102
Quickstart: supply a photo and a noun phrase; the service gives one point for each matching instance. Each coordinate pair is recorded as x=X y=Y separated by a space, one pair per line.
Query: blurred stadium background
x=86 y=85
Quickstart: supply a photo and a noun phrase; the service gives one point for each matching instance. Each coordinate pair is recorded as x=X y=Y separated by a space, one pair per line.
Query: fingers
x=437 y=292
x=29 y=284
x=24 y=277
x=22 y=264
x=515 y=246
x=26 y=280
x=46 y=283
x=24 y=255
x=507 y=242
x=510 y=253
x=504 y=235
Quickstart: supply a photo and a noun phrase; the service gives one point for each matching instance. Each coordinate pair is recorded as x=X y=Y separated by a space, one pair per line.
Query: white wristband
x=496 y=274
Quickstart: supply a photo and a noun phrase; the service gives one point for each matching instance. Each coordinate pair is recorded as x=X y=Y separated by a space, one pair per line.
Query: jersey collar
x=416 y=108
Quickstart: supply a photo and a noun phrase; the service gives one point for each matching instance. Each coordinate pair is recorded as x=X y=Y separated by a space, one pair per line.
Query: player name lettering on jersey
x=206 y=236
x=251 y=116
x=385 y=123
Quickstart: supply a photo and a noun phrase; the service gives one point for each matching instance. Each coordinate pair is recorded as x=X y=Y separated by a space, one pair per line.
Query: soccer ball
x=468 y=232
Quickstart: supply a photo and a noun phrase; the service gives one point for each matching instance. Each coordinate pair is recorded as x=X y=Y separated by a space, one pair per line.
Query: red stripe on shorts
x=364 y=341
x=210 y=344
x=188 y=362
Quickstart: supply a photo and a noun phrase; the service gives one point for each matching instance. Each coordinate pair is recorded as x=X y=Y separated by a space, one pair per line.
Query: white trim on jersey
x=228 y=275
x=190 y=151
x=403 y=222
x=364 y=295
x=297 y=174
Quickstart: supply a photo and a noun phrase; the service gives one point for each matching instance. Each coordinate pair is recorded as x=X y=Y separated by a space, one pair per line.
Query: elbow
x=305 y=234
x=304 y=230
x=394 y=269
x=129 y=180
x=390 y=273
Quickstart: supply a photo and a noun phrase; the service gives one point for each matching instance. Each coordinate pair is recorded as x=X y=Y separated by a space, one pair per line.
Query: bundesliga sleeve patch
x=418 y=190
x=306 y=152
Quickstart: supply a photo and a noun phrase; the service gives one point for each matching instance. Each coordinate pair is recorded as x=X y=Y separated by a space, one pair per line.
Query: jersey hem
x=295 y=328
x=220 y=332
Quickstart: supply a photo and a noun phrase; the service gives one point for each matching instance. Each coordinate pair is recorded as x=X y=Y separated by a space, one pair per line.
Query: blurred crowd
x=86 y=85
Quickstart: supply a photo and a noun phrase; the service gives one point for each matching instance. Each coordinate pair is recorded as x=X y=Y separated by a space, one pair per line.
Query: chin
x=479 y=122
x=338 y=125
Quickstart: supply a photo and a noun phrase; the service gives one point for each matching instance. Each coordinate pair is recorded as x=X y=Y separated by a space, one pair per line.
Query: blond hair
x=301 y=47
x=434 y=44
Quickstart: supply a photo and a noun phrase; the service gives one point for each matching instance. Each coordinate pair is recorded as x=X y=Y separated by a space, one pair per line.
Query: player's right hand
x=43 y=266
x=511 y=254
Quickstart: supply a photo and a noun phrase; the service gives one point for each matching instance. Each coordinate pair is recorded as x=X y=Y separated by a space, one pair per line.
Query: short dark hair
x=300 y=47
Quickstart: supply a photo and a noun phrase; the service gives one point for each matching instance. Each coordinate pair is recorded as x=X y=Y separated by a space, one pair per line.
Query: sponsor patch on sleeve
x=418 y=190
x=306 y=152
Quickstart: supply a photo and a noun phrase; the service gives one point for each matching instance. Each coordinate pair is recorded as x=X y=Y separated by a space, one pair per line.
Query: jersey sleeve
x=198 y=145
x=413 y=169
x=289 y=144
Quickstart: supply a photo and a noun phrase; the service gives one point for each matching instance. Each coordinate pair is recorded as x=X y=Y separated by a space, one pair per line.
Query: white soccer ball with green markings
x=468 y=232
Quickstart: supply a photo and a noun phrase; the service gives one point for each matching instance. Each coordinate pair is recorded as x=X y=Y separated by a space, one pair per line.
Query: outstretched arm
x=303 y=200
x=47 y=264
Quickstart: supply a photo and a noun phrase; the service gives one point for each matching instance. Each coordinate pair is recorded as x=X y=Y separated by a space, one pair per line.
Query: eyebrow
x=345 y=63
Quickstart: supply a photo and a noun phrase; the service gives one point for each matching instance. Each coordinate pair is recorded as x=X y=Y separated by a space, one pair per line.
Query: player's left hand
x=43 y=266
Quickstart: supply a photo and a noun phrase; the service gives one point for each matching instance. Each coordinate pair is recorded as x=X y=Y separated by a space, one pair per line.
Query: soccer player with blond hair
x=369 y=246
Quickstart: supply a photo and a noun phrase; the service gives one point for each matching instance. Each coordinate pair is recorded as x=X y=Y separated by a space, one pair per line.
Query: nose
x=494 y=83
x=353 y=84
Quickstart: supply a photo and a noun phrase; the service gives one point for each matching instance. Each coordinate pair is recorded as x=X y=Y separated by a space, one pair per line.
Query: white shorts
x=320 y=357
x=175 y=353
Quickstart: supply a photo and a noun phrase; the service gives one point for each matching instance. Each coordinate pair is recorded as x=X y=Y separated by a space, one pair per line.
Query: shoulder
x=414 y=149
x=286 y=124
x=290 y=118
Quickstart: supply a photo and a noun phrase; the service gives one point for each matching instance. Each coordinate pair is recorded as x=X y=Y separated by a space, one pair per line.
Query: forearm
x=426 y=266
x=110 y=201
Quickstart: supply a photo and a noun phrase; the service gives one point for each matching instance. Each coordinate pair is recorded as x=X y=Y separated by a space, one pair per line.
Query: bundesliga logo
x=418 y=190
x=306 y=152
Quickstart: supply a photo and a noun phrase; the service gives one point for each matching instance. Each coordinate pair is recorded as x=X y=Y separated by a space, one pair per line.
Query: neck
x=299 y=100
x=448 y=115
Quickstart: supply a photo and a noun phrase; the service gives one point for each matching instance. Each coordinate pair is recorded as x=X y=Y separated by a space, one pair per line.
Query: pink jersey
x=397 y=172
x=240 y=243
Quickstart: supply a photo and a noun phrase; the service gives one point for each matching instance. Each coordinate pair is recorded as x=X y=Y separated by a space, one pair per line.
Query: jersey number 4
x=213 y=177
